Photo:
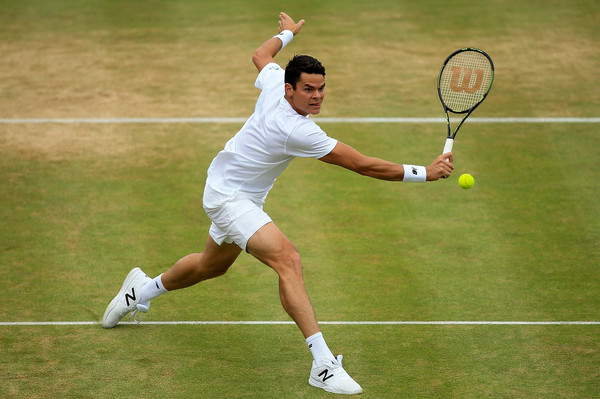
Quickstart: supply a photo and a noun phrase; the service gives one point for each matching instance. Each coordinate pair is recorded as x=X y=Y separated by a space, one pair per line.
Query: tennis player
x=239 y=179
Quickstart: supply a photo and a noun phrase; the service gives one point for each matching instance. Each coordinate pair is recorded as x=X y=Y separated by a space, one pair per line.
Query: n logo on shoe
x=326 y=375
x=132 y=296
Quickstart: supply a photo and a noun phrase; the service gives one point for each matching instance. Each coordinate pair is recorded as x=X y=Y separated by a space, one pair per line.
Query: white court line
x=319 y=120
x=344 y=323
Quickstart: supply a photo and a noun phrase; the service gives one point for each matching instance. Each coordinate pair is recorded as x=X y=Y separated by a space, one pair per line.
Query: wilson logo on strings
x=461 y=80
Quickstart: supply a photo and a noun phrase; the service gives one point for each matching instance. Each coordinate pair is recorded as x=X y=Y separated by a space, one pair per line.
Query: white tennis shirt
x=273 y=135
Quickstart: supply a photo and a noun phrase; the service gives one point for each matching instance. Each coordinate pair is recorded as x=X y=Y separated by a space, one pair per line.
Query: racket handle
x=448 y=146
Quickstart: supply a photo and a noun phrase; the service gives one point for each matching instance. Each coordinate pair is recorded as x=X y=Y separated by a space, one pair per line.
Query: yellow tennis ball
x=466 y=181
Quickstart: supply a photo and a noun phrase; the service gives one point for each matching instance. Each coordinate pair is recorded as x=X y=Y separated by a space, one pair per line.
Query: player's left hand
x=287 y=23
x=440 y=167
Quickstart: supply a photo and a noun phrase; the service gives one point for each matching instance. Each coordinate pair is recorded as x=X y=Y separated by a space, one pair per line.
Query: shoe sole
x=319 y=384
x=113 y=304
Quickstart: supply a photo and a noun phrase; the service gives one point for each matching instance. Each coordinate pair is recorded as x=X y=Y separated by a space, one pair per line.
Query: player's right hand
x=440 y=167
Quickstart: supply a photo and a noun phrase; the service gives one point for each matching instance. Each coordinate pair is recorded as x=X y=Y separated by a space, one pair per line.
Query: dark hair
x=299 y=64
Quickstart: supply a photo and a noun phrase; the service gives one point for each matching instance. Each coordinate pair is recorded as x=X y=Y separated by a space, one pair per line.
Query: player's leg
x=272 y=247
x=194 y=268
x=191 y=269
x=138 y=289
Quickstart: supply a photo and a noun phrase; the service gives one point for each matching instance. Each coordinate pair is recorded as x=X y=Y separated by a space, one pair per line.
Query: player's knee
x=221 y=267
x=220 y=270
x=214 y=267
x=289 y=265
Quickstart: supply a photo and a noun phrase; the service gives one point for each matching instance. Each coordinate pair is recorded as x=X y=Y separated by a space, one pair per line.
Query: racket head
x=465 y=80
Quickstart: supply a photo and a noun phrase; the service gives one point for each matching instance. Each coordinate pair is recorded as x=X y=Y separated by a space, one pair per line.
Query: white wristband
x=414 y=173
x=285 y=36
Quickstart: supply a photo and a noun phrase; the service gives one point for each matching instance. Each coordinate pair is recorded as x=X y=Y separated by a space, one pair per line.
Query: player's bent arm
x=265 y=54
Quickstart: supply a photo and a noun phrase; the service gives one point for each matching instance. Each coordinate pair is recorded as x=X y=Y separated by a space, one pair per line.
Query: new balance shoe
x=127 y=300
x=331 y=376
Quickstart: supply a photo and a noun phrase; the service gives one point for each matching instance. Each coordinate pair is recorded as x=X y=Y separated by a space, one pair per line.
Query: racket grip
x=448 y=146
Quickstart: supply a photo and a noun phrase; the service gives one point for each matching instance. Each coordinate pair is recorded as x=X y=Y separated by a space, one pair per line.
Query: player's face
x=308 y=95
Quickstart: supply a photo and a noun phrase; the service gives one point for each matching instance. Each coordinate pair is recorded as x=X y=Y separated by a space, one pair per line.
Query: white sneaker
x=127 y=300
x=331 y=376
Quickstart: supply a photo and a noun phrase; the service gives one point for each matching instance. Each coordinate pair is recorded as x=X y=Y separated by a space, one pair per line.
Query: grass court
x=82 y=203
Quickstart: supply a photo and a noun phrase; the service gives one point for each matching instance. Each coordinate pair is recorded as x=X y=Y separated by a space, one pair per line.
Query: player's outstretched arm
x=347 y=157
x=267 y=51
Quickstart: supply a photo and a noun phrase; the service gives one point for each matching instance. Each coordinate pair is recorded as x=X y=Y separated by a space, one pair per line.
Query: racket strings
x=465 y=79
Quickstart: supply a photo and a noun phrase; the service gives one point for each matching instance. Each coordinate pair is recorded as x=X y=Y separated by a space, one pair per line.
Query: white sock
x=151 y=290
x=318 y=347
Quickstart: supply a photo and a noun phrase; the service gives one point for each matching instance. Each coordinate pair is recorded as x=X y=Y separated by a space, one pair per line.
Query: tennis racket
x=465 y=80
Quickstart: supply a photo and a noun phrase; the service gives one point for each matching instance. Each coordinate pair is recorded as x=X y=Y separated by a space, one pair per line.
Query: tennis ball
x=466 y=181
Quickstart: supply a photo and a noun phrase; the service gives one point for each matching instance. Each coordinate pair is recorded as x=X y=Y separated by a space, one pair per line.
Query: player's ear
x=289 y=89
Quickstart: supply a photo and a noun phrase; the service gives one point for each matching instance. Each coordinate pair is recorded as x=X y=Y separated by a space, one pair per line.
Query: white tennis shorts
x=234 y=218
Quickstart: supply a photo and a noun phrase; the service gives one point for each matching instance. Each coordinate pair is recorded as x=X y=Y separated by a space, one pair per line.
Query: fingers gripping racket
x=465 y=80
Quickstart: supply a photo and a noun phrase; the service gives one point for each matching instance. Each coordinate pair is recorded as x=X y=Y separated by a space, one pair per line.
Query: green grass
x=81 y=204
x=259 y=362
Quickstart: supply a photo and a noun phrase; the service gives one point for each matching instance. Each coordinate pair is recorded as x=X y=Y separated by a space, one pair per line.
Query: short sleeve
x=271 y=75
x=309 y=141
